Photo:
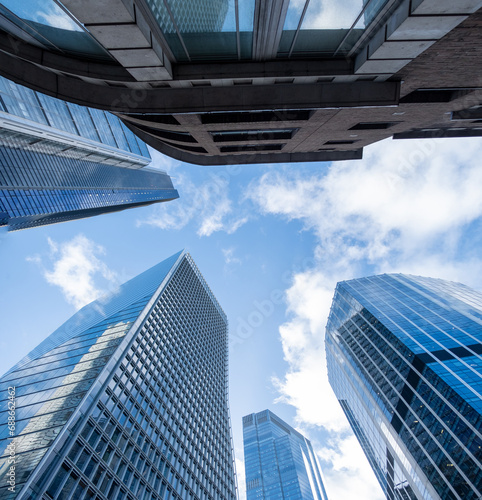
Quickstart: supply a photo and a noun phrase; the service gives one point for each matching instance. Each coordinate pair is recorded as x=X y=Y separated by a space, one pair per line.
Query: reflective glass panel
x=293 y=16
x=51 y=26
x=200 y=30
x=83 y=121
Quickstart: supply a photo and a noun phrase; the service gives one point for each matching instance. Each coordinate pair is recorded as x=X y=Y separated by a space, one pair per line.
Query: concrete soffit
x=413 y=27
x=239 y=159
x=129 y=33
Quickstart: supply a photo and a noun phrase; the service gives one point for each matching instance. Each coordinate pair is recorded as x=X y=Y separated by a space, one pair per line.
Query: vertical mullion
x=352 y=27
x=299 y=27
x=177 y=29
x=238 y=42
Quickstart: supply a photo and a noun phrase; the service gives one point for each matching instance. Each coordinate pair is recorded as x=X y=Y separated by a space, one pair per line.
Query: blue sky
x=271 y=241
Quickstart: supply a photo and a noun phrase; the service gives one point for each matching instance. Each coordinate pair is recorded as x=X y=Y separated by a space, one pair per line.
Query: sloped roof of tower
x=142 y=287
x=446 y=294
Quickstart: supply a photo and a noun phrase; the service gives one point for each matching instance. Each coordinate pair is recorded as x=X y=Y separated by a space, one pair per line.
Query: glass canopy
x=198 y=30
x=210 y=30
x=45 y=23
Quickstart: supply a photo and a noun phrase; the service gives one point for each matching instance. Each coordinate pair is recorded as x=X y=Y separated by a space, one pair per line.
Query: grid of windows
x=252 y=135
x=159 y=427
x=47 y=178
x=50 y=188
x=279 y=461
x=404 y=360
x=48 y=390
x=93 y=124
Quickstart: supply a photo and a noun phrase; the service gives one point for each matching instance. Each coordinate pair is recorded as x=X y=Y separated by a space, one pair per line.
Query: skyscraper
x=127 y=400
x=193 y=16
x=279 y=461
x=404 y=360
x=60 y=161
x=218 y=82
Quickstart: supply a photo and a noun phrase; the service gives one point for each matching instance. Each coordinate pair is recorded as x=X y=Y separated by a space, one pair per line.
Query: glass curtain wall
x=404 y=359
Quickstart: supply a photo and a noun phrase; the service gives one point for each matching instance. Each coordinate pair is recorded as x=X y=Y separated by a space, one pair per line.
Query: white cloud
x=229 y=257
x=404 y=208
x=57 y=18
x=206 y=204
x=36 y=259
x=331 y=14
x=302 y=339
x=77 y=269
x=162 y=162
x=241 y=479
x=400 y=198
x=347 y=473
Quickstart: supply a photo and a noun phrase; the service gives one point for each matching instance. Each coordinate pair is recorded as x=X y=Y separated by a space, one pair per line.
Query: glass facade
x=208 y=29
x=200 y=30
x=88 y=123
x=404 y=360
x=279 y=461
x=46 y=24
x=128 y=399
x=60 y=162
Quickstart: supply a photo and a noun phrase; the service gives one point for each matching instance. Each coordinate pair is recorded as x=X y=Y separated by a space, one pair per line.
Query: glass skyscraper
x=60 y=161
x=279 y=461
x=404 y=360
x=127 y=400
x=191 y=16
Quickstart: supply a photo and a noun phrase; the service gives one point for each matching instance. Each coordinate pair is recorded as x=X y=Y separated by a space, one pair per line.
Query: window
x=372 y=125
x=167 y=134
x=251 y=147
x=340 y=142
x=204 y=83
x=184 y=147
x=257 y=116
x=473 y=113
x=252 y=135
x=434 y=95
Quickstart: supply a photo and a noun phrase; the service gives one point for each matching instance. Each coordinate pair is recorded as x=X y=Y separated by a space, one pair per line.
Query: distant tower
x=191 y=16
x=60 y=161
x=404 y=360
x=128 y=399
x=279 y=461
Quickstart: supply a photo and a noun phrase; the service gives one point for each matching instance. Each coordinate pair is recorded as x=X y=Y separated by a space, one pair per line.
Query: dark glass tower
x=279 y=461
x=60 y=161
x=126 y=400
x=404 y=360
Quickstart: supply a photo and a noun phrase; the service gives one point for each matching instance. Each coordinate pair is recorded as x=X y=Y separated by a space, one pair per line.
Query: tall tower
x=279 y=461
x=404 y=360
x=127 y=400
x=60 y=161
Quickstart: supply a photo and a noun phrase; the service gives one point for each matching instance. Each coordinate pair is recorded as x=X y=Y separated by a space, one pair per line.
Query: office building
x=60 y=161
x=279 y=461
x=127 y=400
x=218 y=82
x=193 y=16
x=404 y=360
